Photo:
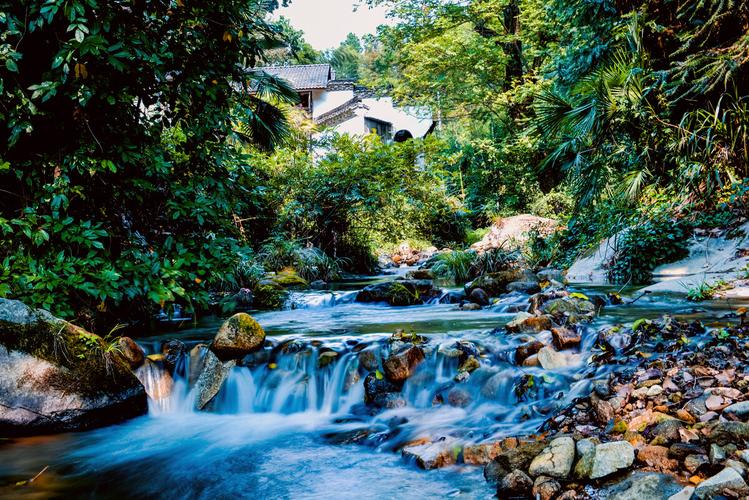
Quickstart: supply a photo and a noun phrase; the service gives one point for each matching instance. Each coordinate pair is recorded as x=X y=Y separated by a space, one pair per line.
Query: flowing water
x=282 y=423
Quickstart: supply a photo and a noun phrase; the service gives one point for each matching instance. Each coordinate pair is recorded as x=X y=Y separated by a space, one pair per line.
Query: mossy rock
x=399 y=295
x=286 y=278
x=237 y=337
x=269 y=296
x=58 y=377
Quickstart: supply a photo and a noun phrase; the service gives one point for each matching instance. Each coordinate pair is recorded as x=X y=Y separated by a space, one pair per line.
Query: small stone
x=481 y=454
x=556 y=460
x=433 y=455
x=729 y=432
x=714 y=402
x=611 y=457
x=657 y=457
x=737 y=410
x=693 y=462
x=655 y=390
x=604 y=411
x=545 y=488
x=527 y=323
x=399 y=366
x=531 y=360
x=727 y=479
x=717 y=455
x=684 y=415
x=516 y=483
x=528 y=349
x=565 y=338
x=586 y=450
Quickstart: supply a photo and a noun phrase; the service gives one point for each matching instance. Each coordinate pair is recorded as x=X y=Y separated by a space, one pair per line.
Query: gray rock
x=211 y=379
x=728 y=478
x=684 y=494
x=479 y=296
x=729 y=432
x=514 y=458
x=516 y=483
x=551 y=359
x=55 y=376
x=644 y=486
x=716 y=454
x=556 y=459
x=526 y=287
x=586 y=450
x=739 y=410
x=611 y=457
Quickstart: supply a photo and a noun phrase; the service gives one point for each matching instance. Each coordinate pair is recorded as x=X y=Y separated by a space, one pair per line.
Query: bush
x=456 y=265
x=554 y=205
x=476 y=235
x=309 y=262
x=645 y=245
x=494 y=261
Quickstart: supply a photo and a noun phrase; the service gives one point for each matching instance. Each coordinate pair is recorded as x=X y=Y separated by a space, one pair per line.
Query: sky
x=327 y=22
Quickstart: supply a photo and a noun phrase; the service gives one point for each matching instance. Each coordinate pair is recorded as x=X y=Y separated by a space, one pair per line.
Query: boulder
x=56 y=377
x=513 y=231
x=519 y=458
x=131 y=352
x=657 y=457
x=243 y=299
x=479 y=296
x=565 y=338
x=286 y=278
x=729 y=432
x=644 y=486
x=524 y=322
x=433 y=455
x=378 y=391
x=515 y=484
x=156 y=379
x=727 y=479
x=481 y=453
x=545 y=488
x=420 y=274
x=319 y=285
x=399 y=366
x=611 y=457
x=524 y=351
x=550 y=274
x=551 y=359
x=526 y=287
x=586 y=451
x=469 y=306
x=237 y=337
x=211 y=379
x=173 y=350
x=398 y=293
x=555 y=460
x=570 y=309
x=494 y=284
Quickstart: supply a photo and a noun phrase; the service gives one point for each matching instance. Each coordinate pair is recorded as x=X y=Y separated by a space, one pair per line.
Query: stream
x=281 y=427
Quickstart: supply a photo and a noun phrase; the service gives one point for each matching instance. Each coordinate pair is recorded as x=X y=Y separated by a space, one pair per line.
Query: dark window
x=379 y=127
x=305 y=101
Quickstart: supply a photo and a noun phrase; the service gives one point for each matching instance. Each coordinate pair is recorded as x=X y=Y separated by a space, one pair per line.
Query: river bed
x=276 y=432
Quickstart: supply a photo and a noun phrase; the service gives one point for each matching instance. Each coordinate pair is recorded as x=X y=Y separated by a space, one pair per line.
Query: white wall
x=415 y=120
x=323 y=101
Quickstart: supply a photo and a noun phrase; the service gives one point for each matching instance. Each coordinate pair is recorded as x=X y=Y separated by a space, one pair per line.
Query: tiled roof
x=340 y=113
x=303 y=76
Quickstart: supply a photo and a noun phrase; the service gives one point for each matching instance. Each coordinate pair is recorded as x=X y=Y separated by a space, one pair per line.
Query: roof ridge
x=292 y=65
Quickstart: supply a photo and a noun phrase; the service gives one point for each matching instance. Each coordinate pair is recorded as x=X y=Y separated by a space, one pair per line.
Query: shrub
x=644 y=246
x=494 y=260
x=476 y=235
x=554 y=205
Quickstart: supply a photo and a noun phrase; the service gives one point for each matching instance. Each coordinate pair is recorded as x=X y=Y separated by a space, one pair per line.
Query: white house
x=345 y=107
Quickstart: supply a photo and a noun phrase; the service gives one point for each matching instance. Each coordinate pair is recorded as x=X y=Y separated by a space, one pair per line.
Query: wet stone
x=555 y=460
x=433 y=455
x=516 y=483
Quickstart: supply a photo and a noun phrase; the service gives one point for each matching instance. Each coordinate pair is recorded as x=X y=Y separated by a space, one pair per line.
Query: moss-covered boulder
x=237 y=337
x=55 y=376
x=494 y=284
x=286 y=278
x=398 y=292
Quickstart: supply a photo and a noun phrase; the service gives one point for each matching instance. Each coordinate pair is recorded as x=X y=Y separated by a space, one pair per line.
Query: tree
x=120 y=179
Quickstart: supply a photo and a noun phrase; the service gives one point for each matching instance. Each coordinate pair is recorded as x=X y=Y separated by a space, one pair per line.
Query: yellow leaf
x=180 y=3
x=80 y=71
x=227 y=36
x=272 y=366
x=198 y=281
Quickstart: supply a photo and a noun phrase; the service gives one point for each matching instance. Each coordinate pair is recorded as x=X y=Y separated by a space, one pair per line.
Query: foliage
x=362 y=189
x=494 y=260
x=455 y=265
x=644 y=245
x=124 y=182
x=704 y=290
x=476 y=235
